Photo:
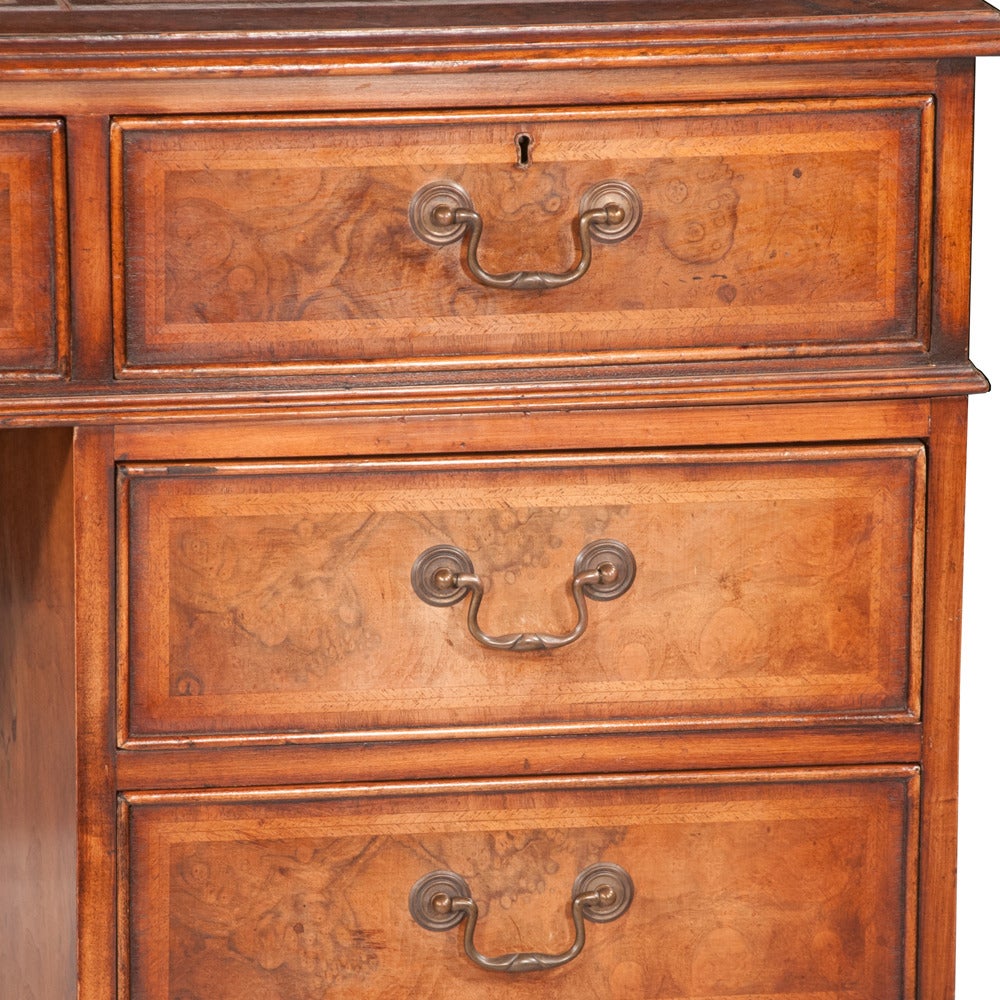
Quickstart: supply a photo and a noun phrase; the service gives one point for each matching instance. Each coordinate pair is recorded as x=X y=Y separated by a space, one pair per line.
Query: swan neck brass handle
x=442 y=212
x=443 y=574
x=441 y=900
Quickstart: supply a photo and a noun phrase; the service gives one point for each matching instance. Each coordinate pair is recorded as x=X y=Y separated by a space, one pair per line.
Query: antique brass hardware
x=441 y=900
x=442 y=212
x=443 y=574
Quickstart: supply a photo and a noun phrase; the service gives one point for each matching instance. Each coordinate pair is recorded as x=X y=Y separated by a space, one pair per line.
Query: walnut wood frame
x=82 y=793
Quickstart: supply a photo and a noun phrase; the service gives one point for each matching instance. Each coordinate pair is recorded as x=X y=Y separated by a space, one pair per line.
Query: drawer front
x=277 y=598
x=32 y=248
x=794 y=885
x=767 y=229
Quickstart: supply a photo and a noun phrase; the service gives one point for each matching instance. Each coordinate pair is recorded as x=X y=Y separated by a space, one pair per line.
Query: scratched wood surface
x=795 y=225
x=32 y=231
x=785 y=885
x=273 y=597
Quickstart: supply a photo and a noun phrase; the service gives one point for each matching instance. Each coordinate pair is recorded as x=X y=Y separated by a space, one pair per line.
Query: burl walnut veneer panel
x=770 y=227
x=789 y=886
x=32 y=248
x=272 y=597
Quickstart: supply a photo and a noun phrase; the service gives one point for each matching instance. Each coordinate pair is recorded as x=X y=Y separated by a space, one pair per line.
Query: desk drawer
x=33 y=330
x=793 y=885
x=279 y=597
x=289 y=244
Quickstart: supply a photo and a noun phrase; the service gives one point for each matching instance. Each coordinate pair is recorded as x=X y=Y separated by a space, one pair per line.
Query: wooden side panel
x=37 y=726
x=784 y=885
x=33 y=338
x=96 y=764
x=276 y=597
x=771 y=227
x=946 y=518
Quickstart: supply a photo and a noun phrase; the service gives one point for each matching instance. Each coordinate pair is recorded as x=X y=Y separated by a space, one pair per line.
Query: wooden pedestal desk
x=481 y=494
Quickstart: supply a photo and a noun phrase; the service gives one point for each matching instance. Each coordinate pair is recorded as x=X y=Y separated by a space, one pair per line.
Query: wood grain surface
x=271 y=597
x=273 y=242
x=247 y=397
x=38 y=923
x=33 y=336
x=260 y=39
x=787 y=885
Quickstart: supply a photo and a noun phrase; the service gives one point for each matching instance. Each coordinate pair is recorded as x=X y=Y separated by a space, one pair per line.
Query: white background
x=979 y=800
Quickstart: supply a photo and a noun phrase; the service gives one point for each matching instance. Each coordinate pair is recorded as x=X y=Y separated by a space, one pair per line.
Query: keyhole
x=524 y=142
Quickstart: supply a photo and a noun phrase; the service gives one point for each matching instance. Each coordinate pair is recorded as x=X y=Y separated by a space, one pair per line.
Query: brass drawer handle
x=441 y=212
x=441 y=900
x=443 y=574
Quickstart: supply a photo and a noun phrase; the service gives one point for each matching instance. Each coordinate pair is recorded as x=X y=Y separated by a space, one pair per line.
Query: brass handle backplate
x=441 y=900
x=443 y=574
x=442 y=212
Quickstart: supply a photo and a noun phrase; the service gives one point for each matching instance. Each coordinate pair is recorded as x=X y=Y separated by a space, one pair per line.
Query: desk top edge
x=94 y=29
